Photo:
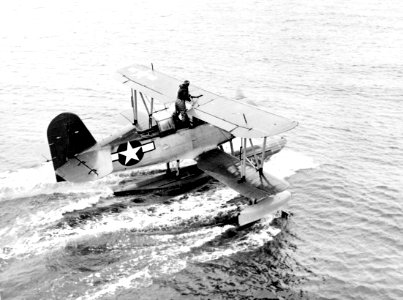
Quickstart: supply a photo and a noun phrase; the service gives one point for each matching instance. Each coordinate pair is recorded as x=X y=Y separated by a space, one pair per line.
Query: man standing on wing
x=180 y=105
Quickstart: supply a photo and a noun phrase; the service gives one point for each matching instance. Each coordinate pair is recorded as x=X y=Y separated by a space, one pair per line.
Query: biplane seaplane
x=156 y=135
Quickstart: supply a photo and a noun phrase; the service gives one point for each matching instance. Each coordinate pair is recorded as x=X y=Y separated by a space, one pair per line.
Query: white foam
x=22 y=181
x=287 y=162
x=136 y=280
x=169 y=256
x=28 y=234
x=183 y=210
x=41 y=179
x=174 y=252
x=37 y=180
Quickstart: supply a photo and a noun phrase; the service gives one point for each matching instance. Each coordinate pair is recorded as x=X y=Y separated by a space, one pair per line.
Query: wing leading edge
x=238 y=118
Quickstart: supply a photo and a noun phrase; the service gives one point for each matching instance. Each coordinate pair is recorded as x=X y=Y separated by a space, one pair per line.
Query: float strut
x=232 y=147
x=243 y=161
x=177 y=167
x=263 y=156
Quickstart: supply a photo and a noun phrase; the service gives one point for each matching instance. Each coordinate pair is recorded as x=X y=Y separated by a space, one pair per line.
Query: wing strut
x=257 y=160
x=243 y=162
x=263 y=154
x=254 y=154
x=134 y=105
x=232 y=148
x=149 y=110
x=150 y=116
x=144 y=102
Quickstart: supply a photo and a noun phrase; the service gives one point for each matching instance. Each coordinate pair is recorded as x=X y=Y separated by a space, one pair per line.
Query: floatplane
x=156 y=136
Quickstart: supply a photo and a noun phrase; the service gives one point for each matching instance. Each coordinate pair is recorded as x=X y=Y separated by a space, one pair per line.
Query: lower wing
x=268 y=192
x=227 y=169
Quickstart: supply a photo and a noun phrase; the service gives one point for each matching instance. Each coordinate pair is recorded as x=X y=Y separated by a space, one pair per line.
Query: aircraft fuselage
x=183 y=144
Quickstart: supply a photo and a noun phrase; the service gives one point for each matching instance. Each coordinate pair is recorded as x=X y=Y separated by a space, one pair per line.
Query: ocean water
x=334 y=66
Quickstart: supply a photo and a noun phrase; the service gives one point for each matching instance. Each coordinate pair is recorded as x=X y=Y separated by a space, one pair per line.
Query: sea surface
x=336 y=67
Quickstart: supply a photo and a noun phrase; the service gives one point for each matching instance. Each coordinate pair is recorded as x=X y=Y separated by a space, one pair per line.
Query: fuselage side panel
x=183 y=144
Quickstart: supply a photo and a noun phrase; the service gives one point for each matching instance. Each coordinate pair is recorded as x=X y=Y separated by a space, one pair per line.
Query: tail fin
x=68 y=137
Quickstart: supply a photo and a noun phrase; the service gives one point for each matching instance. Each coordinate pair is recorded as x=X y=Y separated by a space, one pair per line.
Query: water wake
x=112 y=244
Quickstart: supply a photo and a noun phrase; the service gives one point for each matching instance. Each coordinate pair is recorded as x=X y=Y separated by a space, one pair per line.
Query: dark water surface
x=335 y=67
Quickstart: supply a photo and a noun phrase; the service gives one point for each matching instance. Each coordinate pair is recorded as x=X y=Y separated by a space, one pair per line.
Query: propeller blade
x=239 y=95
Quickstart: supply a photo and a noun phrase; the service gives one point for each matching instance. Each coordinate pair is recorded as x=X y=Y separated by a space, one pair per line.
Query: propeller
x=240 y=96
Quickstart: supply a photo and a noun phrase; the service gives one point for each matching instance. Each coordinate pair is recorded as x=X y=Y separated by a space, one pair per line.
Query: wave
x=40 y=180
x=288 y=162
x=140 y=259
x=51 y=204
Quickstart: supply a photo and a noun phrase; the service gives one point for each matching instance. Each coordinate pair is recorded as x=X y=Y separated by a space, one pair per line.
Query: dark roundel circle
x=130 y=153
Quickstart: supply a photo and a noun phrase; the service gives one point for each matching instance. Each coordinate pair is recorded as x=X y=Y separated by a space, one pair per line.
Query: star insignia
x=130 y=153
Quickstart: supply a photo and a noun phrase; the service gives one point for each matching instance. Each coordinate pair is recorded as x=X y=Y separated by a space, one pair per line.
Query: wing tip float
x=260 y=210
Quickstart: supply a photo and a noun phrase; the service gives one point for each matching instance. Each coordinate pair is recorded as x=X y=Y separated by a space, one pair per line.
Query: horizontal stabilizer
x=88 y=166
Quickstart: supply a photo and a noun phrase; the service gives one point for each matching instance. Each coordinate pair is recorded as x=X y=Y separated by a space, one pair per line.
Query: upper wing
x=153 y=83
x=238 y=118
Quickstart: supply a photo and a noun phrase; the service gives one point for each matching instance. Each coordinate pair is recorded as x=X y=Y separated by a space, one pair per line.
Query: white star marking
x=130 y=153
